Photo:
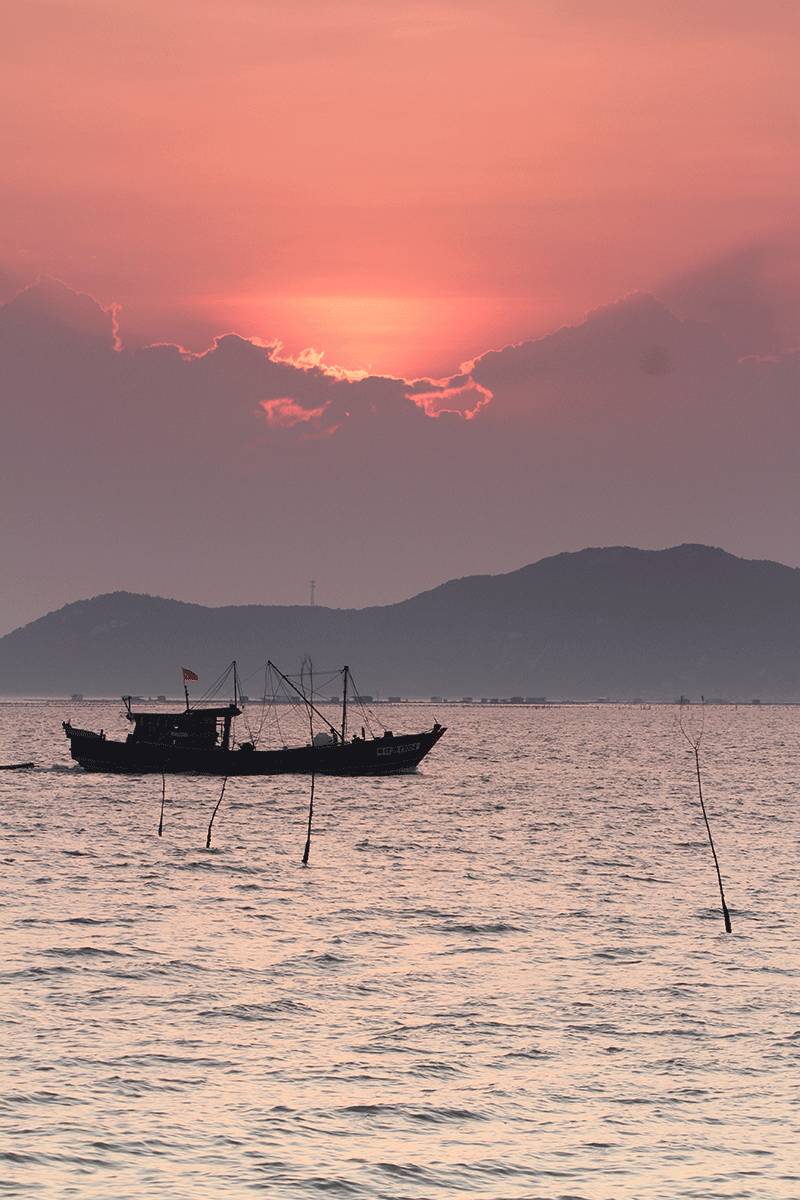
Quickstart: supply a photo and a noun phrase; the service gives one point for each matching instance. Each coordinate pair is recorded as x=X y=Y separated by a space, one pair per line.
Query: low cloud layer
x=237 y=474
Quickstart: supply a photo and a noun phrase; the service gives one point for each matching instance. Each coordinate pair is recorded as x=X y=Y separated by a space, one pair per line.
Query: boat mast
x=228 y=718
x=345 y=673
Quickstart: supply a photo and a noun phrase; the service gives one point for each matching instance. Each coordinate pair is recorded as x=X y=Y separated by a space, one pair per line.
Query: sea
x=504 y=976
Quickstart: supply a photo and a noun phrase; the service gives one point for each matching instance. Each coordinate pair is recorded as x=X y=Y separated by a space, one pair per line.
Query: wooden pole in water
x=307 y=850
x=694 y=742
x=725 y=914
x=163 y=793
x=214 y=813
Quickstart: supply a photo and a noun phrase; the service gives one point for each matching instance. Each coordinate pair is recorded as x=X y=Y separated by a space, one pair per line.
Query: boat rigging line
x=306 y=700
x=214 y=688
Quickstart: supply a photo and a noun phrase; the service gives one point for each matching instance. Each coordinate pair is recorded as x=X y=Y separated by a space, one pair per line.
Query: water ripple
x=502 y=978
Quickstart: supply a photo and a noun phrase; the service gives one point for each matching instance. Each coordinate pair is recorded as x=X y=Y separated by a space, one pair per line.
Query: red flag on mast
x=189 y=676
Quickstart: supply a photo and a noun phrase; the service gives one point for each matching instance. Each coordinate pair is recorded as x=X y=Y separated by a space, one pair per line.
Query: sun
x=405 y=335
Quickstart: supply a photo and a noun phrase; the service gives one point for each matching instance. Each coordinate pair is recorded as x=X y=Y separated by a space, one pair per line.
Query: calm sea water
x=505 y=976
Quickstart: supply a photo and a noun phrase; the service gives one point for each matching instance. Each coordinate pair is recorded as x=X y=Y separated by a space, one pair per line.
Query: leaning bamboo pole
x=695 y=741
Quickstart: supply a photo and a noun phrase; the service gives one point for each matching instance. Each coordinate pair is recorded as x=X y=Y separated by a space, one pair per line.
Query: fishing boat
x=200 y=740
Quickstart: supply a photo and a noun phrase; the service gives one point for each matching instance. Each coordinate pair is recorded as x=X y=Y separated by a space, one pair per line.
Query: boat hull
x=378 y=756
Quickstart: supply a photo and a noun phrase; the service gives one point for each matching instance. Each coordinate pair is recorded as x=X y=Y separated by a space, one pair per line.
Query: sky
x=380 y=293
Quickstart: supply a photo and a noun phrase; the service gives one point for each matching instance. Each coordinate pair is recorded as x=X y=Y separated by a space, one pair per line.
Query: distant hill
x=615 y=622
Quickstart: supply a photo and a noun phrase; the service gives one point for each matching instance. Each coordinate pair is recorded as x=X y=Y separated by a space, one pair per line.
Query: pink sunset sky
x=402 y=185
x=404 y=188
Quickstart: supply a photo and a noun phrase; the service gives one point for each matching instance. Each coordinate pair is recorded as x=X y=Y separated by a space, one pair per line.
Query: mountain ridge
x=603 y=621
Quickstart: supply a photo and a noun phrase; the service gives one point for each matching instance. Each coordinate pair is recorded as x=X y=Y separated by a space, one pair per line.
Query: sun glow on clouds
x=375 y=334
x=284 y=413
x=312 y=359
x=401 y=183
x=459 y=396
x=463 y=399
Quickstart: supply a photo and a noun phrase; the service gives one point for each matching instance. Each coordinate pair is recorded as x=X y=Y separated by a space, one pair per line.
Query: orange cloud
x=285 y=413
x=465 y=399
x=310 y=359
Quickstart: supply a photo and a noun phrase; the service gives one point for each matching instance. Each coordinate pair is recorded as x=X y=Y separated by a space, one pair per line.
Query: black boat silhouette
x=198 y=740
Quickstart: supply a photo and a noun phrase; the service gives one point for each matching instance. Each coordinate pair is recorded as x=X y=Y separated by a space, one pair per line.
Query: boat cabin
x=193 y=729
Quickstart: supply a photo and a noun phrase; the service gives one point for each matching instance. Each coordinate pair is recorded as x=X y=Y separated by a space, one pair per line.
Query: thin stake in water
x=163 y=793
x=307 y=662
x=307 y=850
x=694 y=742
x=214 y=813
